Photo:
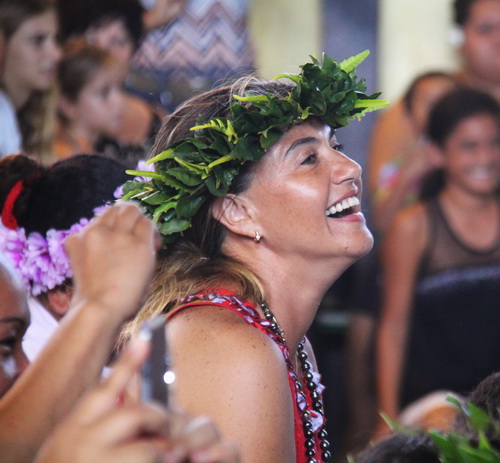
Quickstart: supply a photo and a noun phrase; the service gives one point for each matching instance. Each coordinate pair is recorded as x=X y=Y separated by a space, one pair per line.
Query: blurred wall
x=414 y=37
x=285 y=33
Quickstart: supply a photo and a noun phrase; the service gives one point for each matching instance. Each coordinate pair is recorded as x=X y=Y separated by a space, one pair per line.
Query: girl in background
x=41 y=207
x=31 y=57
x=90 y=102
x=441 y=262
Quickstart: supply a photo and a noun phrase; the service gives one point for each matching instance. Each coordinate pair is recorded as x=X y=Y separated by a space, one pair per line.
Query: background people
x=440 y=263
x=41 y=206
x=29 y=71
x=90 y=101
x=116 y=26
x=35 y=398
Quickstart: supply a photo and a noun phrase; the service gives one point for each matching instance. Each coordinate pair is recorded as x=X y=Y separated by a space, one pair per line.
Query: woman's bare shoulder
x=219 y=333
x=231 y=371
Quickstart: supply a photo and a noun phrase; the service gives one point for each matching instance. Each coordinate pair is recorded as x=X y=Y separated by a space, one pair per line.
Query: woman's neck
x=294 y=286
x=472 y=80
x=82 y=139
x=475 y=219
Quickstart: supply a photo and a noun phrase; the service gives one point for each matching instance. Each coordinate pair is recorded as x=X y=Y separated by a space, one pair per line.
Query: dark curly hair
x=77 y=16
x=60 y=195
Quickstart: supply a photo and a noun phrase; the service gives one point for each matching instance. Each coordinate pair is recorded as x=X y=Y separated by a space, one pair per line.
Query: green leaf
x=143 y=173
x=174 y=226
x=348 y=65
x=188 y=206
x=167 y=154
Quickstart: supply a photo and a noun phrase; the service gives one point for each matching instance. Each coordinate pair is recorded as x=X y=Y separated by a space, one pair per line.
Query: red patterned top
x=301 y=397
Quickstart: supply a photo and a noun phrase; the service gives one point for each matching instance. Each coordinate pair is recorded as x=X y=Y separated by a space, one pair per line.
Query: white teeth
x=345 y=204
x=353 y=201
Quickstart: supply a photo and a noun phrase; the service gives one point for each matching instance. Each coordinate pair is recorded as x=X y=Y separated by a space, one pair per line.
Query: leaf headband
x=191 y=170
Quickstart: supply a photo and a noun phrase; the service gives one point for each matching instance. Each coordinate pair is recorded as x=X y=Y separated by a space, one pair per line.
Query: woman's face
x=99 y=106
x=14 y=320
x=471 y=155
x=32 y=53
x=481 y=48
x=297 y=187
x=113 y=37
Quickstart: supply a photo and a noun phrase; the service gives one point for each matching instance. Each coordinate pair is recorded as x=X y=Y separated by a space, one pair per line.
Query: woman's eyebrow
x=301 y=142
x=19 y=320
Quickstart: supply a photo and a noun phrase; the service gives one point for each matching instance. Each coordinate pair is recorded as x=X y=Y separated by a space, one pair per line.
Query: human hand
x=99 y=430
x=113 y=260
x=163 y=12
x=198 y=441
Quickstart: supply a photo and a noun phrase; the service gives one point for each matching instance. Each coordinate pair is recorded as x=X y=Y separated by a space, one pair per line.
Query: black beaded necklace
x=307 y=375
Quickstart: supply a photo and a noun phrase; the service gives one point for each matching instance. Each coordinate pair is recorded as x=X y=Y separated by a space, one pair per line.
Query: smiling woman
x=246 y=179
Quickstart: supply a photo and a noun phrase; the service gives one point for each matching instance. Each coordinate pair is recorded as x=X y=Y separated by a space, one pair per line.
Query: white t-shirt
x=10 y=135
x=42 y=327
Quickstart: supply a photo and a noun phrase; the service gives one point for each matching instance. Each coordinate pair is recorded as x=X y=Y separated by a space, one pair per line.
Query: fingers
x=131 y=423
x=200 y=442
x=221 y=452
x=104 y=397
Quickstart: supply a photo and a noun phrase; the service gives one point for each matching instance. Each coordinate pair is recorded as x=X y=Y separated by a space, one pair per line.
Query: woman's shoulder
x=410 y=225
x=220 y=330
x=411 y=218
x=228 y=369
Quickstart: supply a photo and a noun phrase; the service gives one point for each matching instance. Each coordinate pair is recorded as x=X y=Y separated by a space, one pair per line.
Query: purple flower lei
x=41 y=261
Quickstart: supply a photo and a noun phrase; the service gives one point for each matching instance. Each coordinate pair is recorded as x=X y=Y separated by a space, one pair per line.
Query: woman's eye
x=337 y=147
x=310 y=159
x=7 y=346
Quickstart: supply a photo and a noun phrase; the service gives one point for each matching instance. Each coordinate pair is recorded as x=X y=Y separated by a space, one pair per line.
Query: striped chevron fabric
x=204 y=46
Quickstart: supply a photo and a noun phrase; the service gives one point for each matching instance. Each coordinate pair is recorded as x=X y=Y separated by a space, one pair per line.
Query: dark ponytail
x=60 y=195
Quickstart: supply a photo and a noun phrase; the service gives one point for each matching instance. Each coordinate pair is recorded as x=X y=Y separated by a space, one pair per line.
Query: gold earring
x=257 y=237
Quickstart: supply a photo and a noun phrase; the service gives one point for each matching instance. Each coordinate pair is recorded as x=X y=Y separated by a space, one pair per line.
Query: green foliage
x=456 y=448
x=191 y=170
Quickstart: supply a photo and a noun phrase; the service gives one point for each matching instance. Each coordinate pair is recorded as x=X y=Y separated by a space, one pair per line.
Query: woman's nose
x=344 y=168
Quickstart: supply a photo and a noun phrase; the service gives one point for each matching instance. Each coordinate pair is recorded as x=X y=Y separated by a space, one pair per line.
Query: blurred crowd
x=84 y=88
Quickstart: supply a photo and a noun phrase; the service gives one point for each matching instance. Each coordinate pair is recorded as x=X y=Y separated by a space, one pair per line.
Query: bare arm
x=402 y=251
x=100 y=430
x=232 y=372
x=112 y=261
x=394 y=139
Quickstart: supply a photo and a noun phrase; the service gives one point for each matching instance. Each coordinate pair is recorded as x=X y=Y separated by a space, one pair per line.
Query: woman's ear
x=235 y=213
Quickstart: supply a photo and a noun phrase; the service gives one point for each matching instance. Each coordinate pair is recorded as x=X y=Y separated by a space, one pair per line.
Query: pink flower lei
x=41 y=261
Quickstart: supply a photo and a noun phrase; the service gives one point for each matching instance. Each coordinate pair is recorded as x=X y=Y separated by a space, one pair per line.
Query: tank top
x=454 y=334
x=301 y=399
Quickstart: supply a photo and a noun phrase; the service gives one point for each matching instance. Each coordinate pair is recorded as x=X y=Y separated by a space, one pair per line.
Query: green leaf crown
x=191 y=170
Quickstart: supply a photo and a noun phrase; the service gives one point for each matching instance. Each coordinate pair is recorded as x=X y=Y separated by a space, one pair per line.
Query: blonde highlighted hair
x=197 y=261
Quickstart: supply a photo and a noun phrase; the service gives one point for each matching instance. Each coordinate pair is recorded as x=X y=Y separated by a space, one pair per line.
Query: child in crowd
x=398 y=162
x=90 y=102
x=34 y=398
x=441 y=262
x=41 y=206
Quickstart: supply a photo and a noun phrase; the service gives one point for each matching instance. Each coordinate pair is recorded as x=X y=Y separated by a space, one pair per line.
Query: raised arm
x=394 y=145
x=401 y=254
x=112 y=261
